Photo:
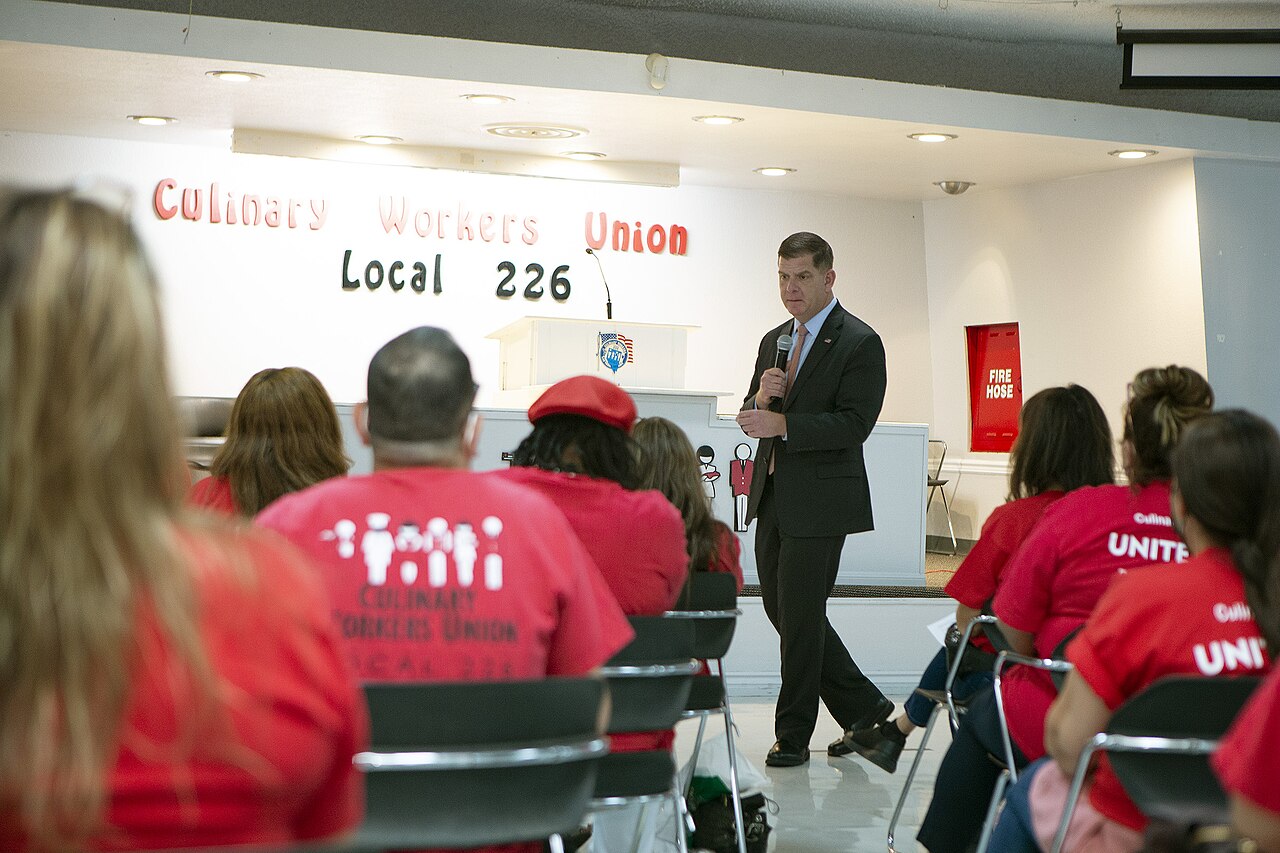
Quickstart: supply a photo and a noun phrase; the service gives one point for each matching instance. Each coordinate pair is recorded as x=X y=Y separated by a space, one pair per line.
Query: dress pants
x=796 y=576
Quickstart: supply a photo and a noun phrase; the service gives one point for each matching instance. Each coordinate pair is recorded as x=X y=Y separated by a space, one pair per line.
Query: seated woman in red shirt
x=1163 y=620
x=167 y=681
x=1248 y=759
x=283 y=436
x=1063 y=443
x=1052 y=583
x=665 y=461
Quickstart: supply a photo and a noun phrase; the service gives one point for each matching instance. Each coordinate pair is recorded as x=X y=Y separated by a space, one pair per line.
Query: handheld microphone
x=780 y=360
x=784 y=349
x=608 y=297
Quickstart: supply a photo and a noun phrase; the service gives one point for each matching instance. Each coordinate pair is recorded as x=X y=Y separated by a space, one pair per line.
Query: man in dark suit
x=812 y=411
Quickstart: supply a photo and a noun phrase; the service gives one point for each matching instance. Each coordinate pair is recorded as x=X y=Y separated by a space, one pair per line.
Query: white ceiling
x=66 y=88
x=89 y=92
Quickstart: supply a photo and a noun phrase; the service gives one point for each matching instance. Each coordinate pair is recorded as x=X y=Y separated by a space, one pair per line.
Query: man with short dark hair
x=812 y=412
x=436 y=573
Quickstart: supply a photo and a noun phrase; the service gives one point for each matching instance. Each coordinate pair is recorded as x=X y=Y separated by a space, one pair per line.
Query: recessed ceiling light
x=234 y=76
x=773 y=171
x=931 y=137
x=487 y=99
x=153 y=121
x=718 y=120
x=1133 y=153
x=374 y=139
x=583 y=155
x=534 y=131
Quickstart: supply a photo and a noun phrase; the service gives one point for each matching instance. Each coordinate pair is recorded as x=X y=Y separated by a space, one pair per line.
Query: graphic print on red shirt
x=445 y=575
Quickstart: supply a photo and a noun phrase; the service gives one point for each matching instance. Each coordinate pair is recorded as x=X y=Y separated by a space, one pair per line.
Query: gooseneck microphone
x=608 y=297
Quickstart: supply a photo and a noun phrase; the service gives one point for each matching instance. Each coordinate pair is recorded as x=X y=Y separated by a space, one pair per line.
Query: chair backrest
x=710 y=601
x=462 y=765
x=1175 y=786
x=937 y=454
x=649 y=680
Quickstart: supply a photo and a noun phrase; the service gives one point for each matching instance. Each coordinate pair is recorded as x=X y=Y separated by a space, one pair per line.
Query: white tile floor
x=831 y=804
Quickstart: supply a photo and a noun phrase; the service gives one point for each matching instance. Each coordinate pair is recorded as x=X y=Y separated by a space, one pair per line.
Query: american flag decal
x=624 y=340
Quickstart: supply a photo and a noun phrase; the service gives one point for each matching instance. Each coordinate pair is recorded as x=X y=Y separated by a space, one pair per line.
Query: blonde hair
x=92 y=481
x=666 y=461
x=283 y=436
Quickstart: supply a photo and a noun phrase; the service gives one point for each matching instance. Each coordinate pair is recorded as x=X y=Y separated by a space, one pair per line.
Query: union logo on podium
x=616 y=350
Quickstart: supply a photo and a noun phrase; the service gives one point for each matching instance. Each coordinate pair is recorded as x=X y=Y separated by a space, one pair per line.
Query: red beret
x=589 y=396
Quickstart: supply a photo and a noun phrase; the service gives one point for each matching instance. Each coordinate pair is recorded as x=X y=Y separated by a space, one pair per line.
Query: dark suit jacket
x=820 y=480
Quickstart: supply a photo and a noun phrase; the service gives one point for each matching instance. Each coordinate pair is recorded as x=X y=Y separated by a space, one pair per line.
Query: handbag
x=975 y=660
x=713 y=822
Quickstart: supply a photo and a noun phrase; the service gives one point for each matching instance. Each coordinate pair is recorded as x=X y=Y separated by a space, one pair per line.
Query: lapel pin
x=826 y=340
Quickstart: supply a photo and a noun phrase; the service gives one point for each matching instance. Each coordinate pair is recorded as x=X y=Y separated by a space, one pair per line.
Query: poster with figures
x=740 y=470
x=707 y=471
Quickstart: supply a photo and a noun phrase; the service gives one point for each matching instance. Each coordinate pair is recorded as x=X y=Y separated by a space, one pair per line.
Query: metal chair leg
x=911 y=775
x=677 y=802
x=739 y=822
x=946 y=506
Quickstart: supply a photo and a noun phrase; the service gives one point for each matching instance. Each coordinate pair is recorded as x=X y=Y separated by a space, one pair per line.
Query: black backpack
x=714 y=829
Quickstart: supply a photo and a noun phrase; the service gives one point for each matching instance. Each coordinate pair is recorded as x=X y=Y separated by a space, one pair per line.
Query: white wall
x=240 y=298
x=1239 y=221
x=1102 y=274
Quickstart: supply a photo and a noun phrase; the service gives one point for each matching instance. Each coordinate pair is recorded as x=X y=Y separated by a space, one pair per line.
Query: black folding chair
x=463 y=765
x=649 y=683
x=1159 y=744
x=710 y=601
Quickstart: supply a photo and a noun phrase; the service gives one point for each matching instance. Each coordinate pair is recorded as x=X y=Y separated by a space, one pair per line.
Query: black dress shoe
x=786 y=754
x=877 y=715
x=881 y=745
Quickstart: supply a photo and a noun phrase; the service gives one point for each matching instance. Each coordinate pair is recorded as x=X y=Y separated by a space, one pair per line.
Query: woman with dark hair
x=283 y=436
x=1226 y=506
x=168 y=681
x=1063 y=443
x=1052 y=583
x=580 y=455
x=666 y=461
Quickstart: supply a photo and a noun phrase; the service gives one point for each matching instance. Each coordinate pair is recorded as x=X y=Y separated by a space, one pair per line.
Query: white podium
x=535 y=352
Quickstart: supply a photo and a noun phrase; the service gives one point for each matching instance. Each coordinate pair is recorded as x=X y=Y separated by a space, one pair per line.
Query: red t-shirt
x=1189 y=619
x=1052 y=583
x=1248 y=758
x=273 y=766
x=213 y=493
x=446 y=575
x=636 y=538
x=728 y=554
x=975 y=581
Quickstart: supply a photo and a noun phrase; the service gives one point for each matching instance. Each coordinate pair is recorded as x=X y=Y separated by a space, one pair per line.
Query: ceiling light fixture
x=931 y=136
x=487 y=99
x=773 y=171
x=533 y=131
x=234 y=76
x=375 y=139
x=153 y=121
x=1133 y=153
x=953 y=187
x=718 y=121
x=584 y=155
